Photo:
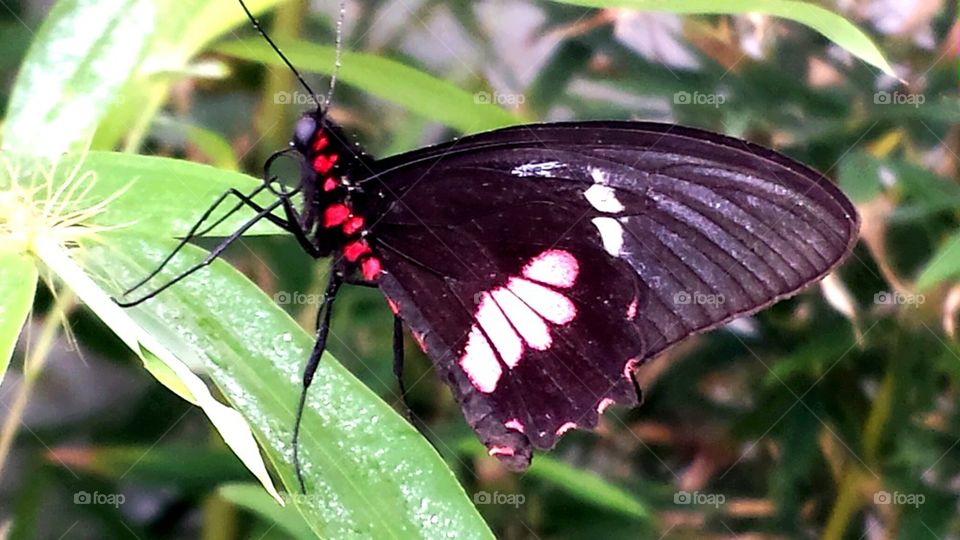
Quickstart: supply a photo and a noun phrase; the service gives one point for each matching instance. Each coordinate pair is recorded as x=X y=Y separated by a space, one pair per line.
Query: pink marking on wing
x=514 y=424
x=530 y=325
x=632 y=310
x=565 y=428
x=604 y=403
x=498 y=329
x=550 y=304
x=394 y=307
x=553 y=267
x=628 y=369
x=480 y=363
x=501 y=451
x=418 y=337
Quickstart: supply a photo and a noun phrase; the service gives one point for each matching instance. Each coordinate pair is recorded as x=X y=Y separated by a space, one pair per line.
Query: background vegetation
x=830 y=415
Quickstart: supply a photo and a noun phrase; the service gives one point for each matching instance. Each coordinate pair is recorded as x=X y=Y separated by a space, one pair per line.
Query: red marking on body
x=501 y=451
x=352 y=225
x=514 y=424
x=322 y=163
x=565 y=428
x=604 y=403
x=330 y=184
x=335 y=214
x=632 y=310
x=394 y=307
x=356 y=249
x=553 y=267
x=320 y=143
x=371 y=268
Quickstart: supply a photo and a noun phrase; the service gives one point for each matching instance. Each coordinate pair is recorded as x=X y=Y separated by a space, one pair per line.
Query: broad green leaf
x=368 y=472
x=80 y=60
x=183 y=28
x=157 y=196
x=231 y=425
x=190 y=467
x=944 y=264
x=18 y=283
x=251 y=497
x=393 y=81
x=834 y=27
x=211 y=144
x=859 y=175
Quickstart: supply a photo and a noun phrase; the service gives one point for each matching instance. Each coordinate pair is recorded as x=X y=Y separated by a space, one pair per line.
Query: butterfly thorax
x=334 y=215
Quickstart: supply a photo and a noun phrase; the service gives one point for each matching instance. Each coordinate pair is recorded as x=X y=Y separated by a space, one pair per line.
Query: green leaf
x=251 y=497
x=185 y=134
x=368 y=472
x=158 y=196
x=393 y=81
x=945 y=264
x=583 y=485
x=80 y=60
x=231 y=425
x=18 y=284
x=834 y=27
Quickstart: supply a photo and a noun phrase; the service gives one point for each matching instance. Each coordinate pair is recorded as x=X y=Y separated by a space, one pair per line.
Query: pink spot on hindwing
x=501 y=451
x=548 y=303
x=565 y=428
x=516 y=316
x=480 y=363
x=514 y=424
x=553 y=267
x=604 y=403
x=632 y=310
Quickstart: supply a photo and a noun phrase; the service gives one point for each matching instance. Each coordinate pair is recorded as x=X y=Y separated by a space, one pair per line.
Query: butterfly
x=538 y=265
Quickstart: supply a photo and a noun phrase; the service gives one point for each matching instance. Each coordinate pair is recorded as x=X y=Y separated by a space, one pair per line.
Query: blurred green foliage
x=816 y=418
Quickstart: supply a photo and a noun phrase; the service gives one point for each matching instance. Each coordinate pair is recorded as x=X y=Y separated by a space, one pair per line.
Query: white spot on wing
x=553 y=267
x=549 y=304
x=611 y=234
x=537 y=169
x=603 y=198
x=533 y=328
x=599 y=175
x=499 y=330
x=479 y=362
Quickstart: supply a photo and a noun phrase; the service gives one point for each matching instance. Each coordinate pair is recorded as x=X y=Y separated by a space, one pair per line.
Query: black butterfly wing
x=672 y=231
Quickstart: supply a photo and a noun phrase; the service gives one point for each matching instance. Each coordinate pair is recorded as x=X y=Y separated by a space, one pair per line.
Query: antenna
x=339 y=45
x=256 y=24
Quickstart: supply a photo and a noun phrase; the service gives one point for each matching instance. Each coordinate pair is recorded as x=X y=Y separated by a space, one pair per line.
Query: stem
x=32 y=367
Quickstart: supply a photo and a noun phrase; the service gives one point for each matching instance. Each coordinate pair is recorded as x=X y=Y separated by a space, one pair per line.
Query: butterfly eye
x=303 y=132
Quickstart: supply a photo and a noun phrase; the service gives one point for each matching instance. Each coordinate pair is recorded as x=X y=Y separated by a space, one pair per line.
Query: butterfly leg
x=195 y=232
x=310 y=369
x=263 y=213
x=398 y=365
